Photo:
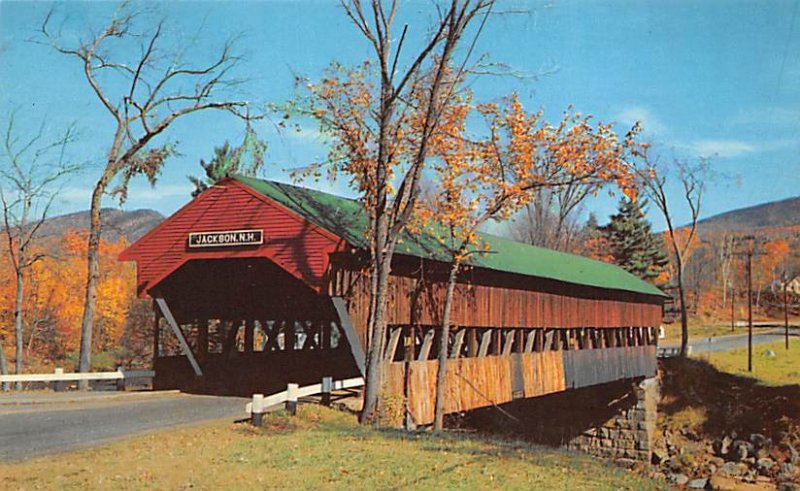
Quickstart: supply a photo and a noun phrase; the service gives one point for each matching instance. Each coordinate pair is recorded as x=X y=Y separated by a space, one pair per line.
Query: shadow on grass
x=729 y=402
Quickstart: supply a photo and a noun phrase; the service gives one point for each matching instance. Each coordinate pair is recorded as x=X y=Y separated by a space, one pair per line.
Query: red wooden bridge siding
x=290 y=241
x=494 y=299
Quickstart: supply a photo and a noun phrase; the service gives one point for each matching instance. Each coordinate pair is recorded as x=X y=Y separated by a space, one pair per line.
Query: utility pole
x=750 y=308
x=749 y=253
x=786 y=311
x=733 y=305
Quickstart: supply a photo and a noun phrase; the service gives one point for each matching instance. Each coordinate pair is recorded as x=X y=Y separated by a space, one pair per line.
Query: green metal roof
x=346 y=218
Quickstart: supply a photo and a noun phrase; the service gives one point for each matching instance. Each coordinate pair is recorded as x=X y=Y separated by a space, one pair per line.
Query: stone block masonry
x=628 y=434
x=615 y=420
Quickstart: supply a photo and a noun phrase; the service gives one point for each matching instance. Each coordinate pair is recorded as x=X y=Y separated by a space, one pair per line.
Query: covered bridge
x=258 y=283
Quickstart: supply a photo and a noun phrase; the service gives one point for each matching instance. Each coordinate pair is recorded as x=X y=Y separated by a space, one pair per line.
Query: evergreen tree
x=246 y=159
x=593 y=240
x=632 y=244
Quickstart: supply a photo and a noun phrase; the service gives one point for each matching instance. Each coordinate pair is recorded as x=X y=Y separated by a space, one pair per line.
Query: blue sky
x=711 y=78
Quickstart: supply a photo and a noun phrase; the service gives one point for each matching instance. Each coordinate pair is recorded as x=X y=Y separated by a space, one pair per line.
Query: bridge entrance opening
x=250 y=327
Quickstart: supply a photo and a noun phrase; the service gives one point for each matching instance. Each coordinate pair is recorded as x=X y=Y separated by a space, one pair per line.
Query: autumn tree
x=246 y=159
x=153 y=88
x=380 y=118
x=657 y=179
x=594 y=242
x=494 y=177
x=31 y=169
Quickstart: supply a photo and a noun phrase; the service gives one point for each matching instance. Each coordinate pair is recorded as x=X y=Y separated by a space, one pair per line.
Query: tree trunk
x=374 y=357
x=18 y=324
x=441 y=375
x=92 y=275
x=3 y=362
x=684 y=314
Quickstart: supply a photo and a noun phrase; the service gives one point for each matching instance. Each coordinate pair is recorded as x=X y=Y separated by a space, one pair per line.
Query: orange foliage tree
x=496 y=176
x=53 y=307
x=380 y=119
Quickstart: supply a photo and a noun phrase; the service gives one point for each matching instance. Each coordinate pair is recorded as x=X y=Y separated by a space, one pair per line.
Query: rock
x=677 y=479
x=722 y=483
x=758 y=439
x=717 y=461
x=769 y=353
x=794 y=456
x=697 y=484
x=659 y=455
x=732 y=469
x=750 y=476
x=787 y=472
x=741 y=450
x=765 y=466
x=788 y=486
x=723 y=446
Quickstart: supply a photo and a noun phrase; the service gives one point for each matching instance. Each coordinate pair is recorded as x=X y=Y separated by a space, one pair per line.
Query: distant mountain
x=776 y=214
x=116 y=223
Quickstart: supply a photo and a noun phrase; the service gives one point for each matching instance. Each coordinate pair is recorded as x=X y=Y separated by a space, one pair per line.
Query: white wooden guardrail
x=260 y=403
x=672 y=351
x=58 y=377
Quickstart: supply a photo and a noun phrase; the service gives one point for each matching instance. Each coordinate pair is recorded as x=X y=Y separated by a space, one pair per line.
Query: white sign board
x=226 y=238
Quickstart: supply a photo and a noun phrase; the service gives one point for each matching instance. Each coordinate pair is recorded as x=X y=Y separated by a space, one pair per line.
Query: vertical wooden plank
x=202 y=339
x=508 y=342
x=455 y=352
x=486 y=340
x=156 y=334
x=391 y=345
x=249 y=334
x=427 y=342
x=472 y=348
x=530 y=340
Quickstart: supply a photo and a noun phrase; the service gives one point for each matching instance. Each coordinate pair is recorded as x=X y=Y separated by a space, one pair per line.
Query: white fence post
x=121 y=381
x=257 y=410
x=291 y=398
x=58 y=385
x=327 y=387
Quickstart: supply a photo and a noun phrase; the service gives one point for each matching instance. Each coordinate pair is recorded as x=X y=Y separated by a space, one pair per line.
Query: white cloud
x=649 y=121
x=721 y=148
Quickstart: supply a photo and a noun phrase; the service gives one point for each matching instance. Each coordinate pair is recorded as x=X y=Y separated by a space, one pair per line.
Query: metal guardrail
x=260 y=404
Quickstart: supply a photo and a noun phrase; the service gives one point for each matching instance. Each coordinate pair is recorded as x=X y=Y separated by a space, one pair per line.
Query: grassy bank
x=318 y=449
x=781 y=369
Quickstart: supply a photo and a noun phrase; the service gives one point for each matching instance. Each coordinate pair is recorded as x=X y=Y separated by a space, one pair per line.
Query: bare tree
x=655 y=178
x=389 y=213
x=159 y=89
x=30 y=171
x=550 y=220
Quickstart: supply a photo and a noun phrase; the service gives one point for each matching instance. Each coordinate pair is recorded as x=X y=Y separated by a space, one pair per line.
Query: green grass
x=319 y=448
x=782 y=369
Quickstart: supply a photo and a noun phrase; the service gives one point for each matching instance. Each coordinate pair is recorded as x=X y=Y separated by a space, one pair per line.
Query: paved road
x=727 y=343
x=30 y=428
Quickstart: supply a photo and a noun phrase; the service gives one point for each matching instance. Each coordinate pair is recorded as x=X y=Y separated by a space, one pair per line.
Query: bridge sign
x=226 y=238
